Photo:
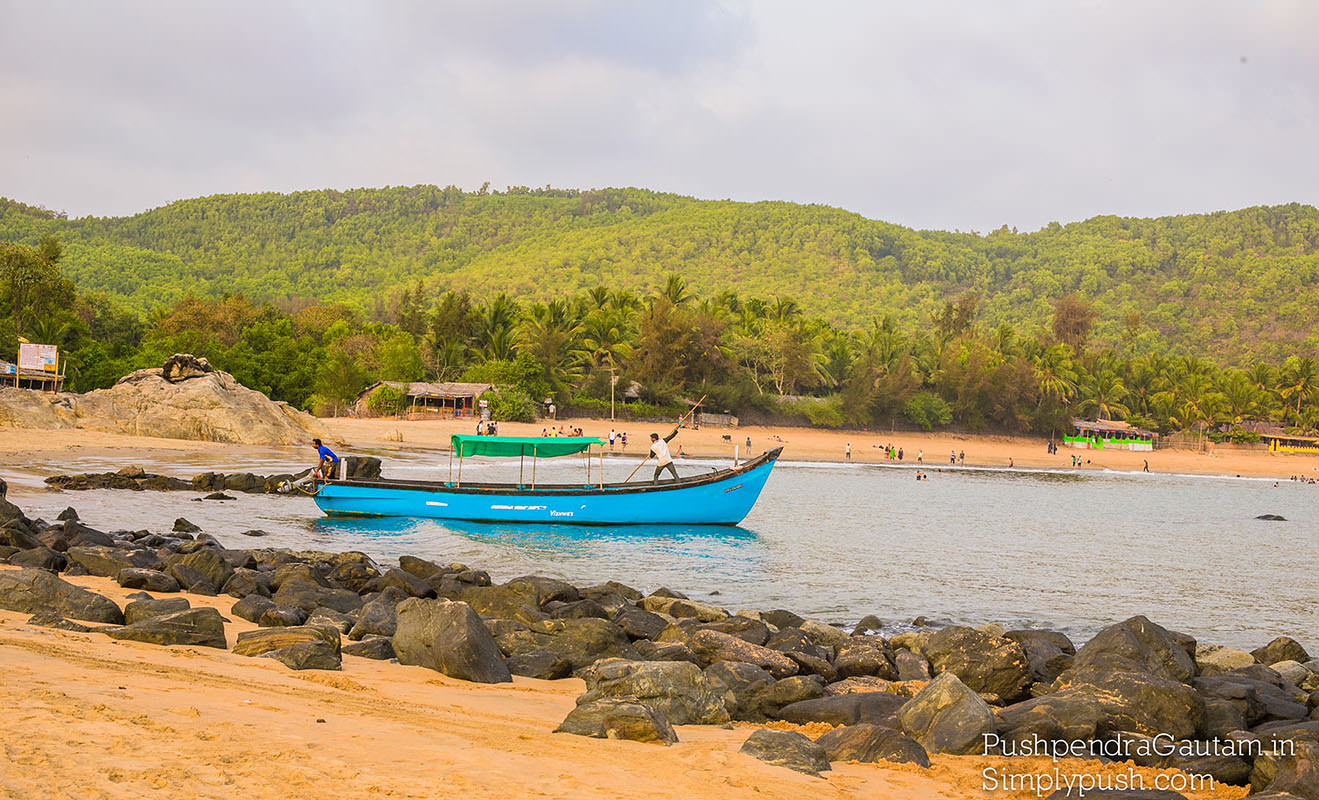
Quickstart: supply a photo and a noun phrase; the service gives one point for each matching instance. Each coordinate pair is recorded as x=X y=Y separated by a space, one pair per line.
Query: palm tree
x=1299 y=380
x=1103 y=393
x=675 y=290
x=1241 y=397
x=1054 y=374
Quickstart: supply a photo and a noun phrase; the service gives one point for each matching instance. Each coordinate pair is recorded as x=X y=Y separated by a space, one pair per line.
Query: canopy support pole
x=460 y=468
x=588 y=466
x=450 y=465
x=522 y=458
x=533 y=466
x=602 y=468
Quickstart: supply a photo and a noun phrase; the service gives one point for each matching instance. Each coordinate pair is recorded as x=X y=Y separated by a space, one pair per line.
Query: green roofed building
x=1109 y=434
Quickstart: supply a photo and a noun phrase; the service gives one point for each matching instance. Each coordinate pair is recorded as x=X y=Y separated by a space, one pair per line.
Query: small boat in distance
x=720 y=497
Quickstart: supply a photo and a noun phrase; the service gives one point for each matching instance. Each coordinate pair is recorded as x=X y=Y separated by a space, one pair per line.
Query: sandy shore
x=810 y=444
x=800 y=444
x=91 y=717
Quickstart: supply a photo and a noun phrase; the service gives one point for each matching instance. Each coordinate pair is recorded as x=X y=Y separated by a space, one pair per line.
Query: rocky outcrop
x=207 y=406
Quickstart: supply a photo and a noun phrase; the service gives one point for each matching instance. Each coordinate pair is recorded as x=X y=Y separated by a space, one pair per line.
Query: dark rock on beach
x=741 y=684
x=985 y=664
x=876 y=708
x=147 y=579
x=307 y=655
x=33 y=590
x=543 y=664
x=947 y=717
x=201 y=627
x=49 y=619
x=149 y=607
x=610 y=718
x=677 y=689
x=265 y=640
x=40 y=557
x=281 y=616
x=1283 y=648
x=183 y=526
x=450 y=638
x=787 y=749
x=379 y=648
x=870 y=744
x=252 y=607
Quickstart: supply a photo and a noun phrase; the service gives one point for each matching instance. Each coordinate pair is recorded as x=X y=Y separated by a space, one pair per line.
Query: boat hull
x=722 y=499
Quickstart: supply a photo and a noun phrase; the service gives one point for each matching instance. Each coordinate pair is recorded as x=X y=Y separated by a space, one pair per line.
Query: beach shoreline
x=19 y=446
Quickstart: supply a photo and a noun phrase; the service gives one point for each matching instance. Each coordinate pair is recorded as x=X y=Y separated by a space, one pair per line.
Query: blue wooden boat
x=721 y=497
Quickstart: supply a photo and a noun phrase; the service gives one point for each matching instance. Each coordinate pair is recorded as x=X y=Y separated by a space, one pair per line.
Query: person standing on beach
x=920 y=456
x=848 y=451
x=611 y=438
x=659 y=448
x=1147 y=465
x=899 y=453
x=952 y=457
x=961 y=457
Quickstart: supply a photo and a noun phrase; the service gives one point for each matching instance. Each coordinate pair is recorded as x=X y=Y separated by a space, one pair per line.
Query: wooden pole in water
x=533 y=466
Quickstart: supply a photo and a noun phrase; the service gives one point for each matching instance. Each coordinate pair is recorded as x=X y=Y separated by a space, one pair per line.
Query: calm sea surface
x=836 y=542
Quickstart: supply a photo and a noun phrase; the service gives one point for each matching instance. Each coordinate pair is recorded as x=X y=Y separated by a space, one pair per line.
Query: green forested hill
x=1230 y=285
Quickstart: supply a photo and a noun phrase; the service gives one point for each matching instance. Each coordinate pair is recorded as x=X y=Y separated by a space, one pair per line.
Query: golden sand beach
x=91 y=717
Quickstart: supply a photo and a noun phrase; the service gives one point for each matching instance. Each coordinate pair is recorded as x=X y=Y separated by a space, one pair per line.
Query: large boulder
x=803 y=650
x=682 y=608
x=860 y=656
x=769 y=700
x=581 y=641
x=202 y=627
x=947 y=717
x=377 y=648
x=40 y=557
x=1065 y=716
x=639 y=623
x=308 y=655
x=310 y=596
x=503 y=601
x=208 y=563
x=34 y=590
x=1136 y=672
x=611 y=718
x=870 y=744
x=786 y=749
x=741 y=684
x=148 y=607
x=1047 y=652
x=107 y=562
x=675 y=688
x=987 y=664
x=1295 y=771
x=1283 y=648
x=714 y=646
x=147 y=579
x=450 y=638
x=378 y=617
x=265 y=640
x=543 y=664
x=1213 y=659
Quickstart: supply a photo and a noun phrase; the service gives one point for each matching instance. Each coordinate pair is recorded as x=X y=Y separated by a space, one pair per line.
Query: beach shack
x=424 y=400
x=1290 y=443
x=1109 y=434
x=38 y=368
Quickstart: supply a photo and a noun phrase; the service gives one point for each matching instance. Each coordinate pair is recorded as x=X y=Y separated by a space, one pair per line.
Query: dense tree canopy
x=1234 y=286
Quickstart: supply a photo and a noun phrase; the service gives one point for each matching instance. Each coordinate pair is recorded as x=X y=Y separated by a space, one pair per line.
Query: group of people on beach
x=552 y=432
x=487 y=427
x=620 y=438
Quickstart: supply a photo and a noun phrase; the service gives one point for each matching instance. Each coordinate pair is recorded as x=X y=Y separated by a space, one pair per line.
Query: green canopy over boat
x=513 y=446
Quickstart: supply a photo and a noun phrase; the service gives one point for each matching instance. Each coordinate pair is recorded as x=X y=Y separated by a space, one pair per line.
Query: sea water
x=1067 y=550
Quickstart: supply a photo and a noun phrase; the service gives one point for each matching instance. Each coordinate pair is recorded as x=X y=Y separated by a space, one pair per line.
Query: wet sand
x=91 y=717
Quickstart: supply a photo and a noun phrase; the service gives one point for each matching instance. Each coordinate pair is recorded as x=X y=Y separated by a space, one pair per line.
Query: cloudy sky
x=956 y=115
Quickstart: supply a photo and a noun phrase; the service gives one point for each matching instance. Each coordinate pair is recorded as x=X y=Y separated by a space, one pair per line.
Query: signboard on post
x=41 y=357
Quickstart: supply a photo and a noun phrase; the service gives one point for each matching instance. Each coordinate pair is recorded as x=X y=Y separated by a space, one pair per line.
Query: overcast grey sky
x=963 y=115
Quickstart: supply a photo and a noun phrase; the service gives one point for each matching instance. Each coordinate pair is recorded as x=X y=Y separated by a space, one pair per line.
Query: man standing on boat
x=659 y=448
x=328 y=462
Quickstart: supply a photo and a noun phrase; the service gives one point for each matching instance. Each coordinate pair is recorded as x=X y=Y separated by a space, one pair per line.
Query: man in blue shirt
x=328 y=463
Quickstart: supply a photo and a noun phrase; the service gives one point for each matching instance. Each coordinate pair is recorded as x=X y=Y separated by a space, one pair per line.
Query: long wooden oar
x=675 y=428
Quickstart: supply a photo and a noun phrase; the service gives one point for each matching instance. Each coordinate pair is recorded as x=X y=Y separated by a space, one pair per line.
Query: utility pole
x=613 y=381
